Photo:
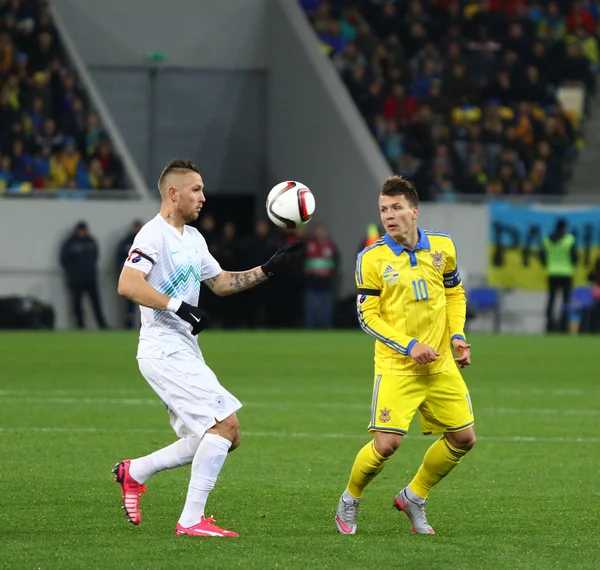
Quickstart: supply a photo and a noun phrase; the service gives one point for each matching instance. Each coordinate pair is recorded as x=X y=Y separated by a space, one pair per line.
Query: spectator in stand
x=73 y=122
x=50 y=136
x=398 y=105
x=579 y=16
x=36 y=117
x=93 y=133
x=552 y=26
x=96 y=177
x=12 y=92
x=111 y=165
x=22 y=163
x=6 y=175
x=6 y=52
x=42 y=163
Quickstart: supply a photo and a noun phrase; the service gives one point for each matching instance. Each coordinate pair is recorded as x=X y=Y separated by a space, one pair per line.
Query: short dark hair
x=177 y=166
x=400 y=186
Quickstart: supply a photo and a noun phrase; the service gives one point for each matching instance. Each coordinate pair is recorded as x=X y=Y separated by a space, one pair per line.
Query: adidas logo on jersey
x=390 y=275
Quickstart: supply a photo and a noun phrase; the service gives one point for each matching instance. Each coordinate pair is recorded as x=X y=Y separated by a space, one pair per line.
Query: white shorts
x=190 y=390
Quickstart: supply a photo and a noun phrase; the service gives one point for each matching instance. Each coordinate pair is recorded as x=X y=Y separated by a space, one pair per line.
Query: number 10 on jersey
x=420 y=290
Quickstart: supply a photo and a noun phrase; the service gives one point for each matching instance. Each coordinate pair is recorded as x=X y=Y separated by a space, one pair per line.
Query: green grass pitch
x=72 y=405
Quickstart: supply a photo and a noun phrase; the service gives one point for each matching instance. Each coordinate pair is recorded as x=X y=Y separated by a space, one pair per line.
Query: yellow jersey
x=405 y=297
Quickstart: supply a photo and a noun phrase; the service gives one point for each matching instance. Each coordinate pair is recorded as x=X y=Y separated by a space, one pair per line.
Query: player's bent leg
x=371 y=460
x=175 y=455
x=132 y=474
x=131 y=490
x=441 y=458
x=368 y=464
x=415 y=509
x=206 y=466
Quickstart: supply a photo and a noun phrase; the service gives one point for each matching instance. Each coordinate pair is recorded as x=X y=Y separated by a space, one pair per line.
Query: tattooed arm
x=230 y=282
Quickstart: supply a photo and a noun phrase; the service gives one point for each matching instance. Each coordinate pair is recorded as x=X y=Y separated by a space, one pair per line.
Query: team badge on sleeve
x=438 y=260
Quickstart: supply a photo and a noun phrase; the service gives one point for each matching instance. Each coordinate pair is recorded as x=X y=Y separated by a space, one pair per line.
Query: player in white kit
x=162 y=274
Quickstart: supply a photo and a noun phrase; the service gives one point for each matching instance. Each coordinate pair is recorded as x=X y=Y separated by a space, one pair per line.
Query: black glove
x=281 y=258
x=196 y=316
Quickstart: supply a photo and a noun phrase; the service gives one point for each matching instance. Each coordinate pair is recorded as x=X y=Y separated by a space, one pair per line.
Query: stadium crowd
x=50 y=137
x=462 y=96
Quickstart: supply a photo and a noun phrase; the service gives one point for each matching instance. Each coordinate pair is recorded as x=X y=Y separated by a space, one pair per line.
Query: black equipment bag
x=25 y=313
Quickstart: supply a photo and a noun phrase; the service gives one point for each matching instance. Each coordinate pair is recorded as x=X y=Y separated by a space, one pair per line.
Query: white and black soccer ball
x=290 y=205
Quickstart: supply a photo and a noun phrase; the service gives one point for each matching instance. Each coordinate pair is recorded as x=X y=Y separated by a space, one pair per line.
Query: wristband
x=173 y=305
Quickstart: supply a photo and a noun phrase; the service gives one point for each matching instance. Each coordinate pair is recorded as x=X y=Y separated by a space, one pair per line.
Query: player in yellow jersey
x=411 y=300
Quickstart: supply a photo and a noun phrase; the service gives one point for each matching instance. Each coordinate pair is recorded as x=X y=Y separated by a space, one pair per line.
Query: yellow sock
x=439 y=460
x=367 y=465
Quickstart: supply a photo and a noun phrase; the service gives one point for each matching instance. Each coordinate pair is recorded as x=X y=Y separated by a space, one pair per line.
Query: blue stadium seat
x=582 y=298
x=485 y=299
x=579 y=308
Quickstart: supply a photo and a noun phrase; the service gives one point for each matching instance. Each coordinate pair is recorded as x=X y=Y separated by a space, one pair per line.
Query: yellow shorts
x=442 y=399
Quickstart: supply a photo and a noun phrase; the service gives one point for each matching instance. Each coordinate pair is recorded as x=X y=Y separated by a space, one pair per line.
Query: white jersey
x=175 y=264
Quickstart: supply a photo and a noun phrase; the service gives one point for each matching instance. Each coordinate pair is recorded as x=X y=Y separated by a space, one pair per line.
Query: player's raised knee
x=229 y=428
x=235 y=442
x=470 y=442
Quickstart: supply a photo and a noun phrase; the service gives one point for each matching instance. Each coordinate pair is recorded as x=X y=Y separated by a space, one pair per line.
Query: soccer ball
x=290 y=205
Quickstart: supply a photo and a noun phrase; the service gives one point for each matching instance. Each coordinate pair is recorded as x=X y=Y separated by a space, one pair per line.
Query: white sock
x=175 y=455
x=348 y=497
x=413 y=496
x=206 y=466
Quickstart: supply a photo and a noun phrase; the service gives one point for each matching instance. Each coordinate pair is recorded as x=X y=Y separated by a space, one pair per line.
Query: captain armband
x=372 y=292
x=364 y=293
x=452 y=279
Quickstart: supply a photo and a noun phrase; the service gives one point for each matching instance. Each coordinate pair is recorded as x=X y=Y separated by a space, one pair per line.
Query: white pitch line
x=296 y=435
x=77 y=401
x=296 y=391
x=292 y=405
x=540 y=411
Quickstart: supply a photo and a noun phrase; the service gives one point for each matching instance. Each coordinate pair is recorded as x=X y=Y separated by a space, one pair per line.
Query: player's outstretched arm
x=230 y=282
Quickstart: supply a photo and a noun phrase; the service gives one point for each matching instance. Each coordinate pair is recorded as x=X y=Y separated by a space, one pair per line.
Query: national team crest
x=385 y=415
x=438 y=260
x=390 y=275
